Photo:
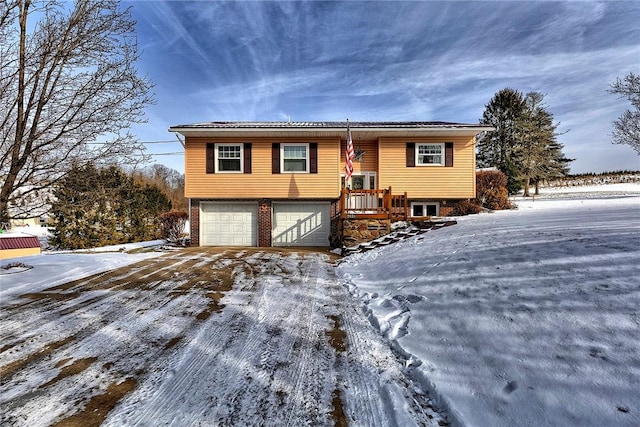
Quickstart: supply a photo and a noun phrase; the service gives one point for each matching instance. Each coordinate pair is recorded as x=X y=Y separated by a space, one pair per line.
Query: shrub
x=172 y=225
x=491 y=190
x=466 y=207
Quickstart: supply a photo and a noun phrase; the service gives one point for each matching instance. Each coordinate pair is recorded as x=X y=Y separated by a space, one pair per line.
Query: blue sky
x=392 y=61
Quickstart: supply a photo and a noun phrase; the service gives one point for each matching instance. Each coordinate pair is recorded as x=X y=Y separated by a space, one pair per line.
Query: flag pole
x=350 y=154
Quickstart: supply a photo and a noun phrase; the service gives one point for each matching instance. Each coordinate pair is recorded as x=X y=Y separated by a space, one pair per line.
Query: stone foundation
x=355 y=231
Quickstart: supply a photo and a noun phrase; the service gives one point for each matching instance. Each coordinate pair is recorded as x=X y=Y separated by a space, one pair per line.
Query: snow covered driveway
x=202 y=337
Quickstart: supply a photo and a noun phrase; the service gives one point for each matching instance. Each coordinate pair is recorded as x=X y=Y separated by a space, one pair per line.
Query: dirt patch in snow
x=95 y=412
x=74 y=368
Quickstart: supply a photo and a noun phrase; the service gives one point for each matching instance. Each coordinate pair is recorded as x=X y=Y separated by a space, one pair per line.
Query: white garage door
x=228 y=224
x=301 y=224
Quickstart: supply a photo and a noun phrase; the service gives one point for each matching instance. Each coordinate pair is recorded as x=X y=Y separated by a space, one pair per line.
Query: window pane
x=429 y=154
x=429 y=159
x=431 y=210
x=294 y=165
x=228 y=152
x=228 y=164
x=417 y=210
x=294 y=158
x=357 y=182
x=295 y=152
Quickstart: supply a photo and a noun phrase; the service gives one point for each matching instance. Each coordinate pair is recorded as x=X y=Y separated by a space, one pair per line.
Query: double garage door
x=293 y=224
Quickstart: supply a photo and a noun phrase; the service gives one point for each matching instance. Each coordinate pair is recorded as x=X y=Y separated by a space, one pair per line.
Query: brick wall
x=264 y=223
x=335 y=239
x=194 y=222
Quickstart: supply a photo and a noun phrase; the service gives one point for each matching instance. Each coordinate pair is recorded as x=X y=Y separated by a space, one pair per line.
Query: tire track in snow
x=249 y=379
x=264 y=359
x=115 y=315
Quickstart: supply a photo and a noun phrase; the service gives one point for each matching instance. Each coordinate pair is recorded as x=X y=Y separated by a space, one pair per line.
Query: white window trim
x=295 y=144
x=424 y=207
x=442 y=153
x=215 y=160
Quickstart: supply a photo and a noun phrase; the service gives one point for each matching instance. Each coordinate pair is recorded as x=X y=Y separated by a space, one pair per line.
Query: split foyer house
x=283 y=183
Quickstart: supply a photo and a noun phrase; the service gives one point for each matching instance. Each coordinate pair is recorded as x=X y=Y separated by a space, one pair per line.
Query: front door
x=364 y=200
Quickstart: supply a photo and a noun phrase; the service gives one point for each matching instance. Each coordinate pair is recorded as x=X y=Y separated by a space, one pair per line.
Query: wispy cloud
x=388 y=60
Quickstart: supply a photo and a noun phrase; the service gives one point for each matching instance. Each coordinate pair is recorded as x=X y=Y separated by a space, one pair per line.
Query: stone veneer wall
x=194 y=222
x=355 y=231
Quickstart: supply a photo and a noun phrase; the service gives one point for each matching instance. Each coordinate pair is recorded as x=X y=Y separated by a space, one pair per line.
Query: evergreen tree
x=539 y=154
x=497 y=148
x=524 y=145
x=104 y=207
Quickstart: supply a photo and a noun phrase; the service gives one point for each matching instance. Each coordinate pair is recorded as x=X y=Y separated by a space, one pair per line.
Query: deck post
x=406 y=207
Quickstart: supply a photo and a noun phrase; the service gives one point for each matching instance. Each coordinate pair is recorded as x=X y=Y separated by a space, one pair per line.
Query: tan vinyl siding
x=369 y=162
x=428 y=182
x=261 y=183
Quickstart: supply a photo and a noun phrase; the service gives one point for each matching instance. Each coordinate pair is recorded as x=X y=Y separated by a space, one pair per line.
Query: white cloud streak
x=393 y=61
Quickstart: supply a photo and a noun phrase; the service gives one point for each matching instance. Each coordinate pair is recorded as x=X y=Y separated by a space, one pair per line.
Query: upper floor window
x=295 y=158
x=228 y=158
x=430 y=154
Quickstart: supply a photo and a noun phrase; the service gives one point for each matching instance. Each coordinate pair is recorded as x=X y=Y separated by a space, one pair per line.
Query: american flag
x=348 y=164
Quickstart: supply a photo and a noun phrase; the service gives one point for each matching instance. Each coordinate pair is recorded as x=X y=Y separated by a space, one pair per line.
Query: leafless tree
x=626 y=130
x=69 y=92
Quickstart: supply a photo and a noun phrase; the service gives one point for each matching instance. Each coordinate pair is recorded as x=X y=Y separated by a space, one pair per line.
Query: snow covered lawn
x=528 y=317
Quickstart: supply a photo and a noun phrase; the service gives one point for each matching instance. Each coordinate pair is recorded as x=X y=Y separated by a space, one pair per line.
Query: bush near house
x=491 y=190
x=172 y=225
x=466 y=207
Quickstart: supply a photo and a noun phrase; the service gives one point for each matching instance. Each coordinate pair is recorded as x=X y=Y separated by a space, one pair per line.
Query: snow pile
x=525 y=317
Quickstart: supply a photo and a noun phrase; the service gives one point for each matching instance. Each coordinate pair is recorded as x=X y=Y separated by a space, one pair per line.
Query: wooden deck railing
x=373 y=204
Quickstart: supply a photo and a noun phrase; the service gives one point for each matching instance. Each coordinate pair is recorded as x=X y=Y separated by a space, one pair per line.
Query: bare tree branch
x=65 y=82
x=626 y=129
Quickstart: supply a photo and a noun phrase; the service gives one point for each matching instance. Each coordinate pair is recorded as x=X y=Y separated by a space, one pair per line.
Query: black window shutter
x=247 y=157
x=313 y=157
x=210 y=158
x=448 y=154
x=275 y=158
x=411 y=154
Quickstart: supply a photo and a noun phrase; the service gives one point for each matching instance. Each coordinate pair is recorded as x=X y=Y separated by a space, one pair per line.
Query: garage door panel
x=301 y=224
x=232 y=224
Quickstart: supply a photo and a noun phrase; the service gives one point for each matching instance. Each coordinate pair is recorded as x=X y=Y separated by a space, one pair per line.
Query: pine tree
x=105 y=207
x=497 y=148
x=539 y=153
x=524 y=145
